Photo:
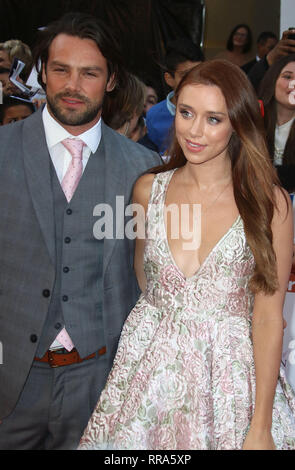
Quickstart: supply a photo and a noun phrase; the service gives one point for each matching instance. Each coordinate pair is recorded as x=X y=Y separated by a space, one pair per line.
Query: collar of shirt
x=171 y=107
x=60 y=156
x=55 y=133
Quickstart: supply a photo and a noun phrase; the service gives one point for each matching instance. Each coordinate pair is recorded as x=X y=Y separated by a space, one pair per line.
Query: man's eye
x=90 y=74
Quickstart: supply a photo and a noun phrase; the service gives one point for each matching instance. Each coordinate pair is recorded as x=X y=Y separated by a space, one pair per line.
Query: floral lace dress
x=183 y=377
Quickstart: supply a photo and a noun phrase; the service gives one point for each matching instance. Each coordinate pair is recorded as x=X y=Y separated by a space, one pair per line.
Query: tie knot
x=74 y=146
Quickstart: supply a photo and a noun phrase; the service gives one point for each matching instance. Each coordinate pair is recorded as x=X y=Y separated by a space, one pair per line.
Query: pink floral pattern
x=184 y=376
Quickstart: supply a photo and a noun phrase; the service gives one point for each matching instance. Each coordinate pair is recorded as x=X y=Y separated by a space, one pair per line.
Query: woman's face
x=203 y=127
x=285 y=87
x=240 y=37
x=150 y=100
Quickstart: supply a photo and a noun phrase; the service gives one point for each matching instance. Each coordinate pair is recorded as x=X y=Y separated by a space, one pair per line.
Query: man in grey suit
x=64 y=293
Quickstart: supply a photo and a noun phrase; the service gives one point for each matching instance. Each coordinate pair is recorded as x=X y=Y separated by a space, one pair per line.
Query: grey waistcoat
x=76 y=300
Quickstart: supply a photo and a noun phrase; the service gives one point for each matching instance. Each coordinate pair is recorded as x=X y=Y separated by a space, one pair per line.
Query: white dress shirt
x=61 y=157
x=281 y=136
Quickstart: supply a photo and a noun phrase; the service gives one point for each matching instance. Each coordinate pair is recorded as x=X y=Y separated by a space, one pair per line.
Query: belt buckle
x=50 y=359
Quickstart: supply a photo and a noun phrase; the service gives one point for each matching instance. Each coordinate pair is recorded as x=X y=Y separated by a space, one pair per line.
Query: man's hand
x=284 y=47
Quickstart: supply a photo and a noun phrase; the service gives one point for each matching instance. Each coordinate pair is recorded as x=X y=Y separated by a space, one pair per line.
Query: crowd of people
x=165 y=334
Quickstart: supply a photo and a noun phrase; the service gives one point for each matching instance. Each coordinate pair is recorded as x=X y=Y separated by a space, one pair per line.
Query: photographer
x=284 y=47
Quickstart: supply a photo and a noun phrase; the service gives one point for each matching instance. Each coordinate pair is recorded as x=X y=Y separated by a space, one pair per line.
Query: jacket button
x=65 y=298
x=68 y=240
x=57 y=326
x=66 y=270
x=46 y=293
x=34 y=338
x=69 y=211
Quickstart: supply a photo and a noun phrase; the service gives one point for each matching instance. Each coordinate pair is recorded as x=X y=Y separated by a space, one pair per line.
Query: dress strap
x=159 y=187
x=157 y=200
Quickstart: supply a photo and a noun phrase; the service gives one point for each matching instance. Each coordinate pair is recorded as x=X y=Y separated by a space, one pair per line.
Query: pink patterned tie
x=74 y=172
x=69 y=185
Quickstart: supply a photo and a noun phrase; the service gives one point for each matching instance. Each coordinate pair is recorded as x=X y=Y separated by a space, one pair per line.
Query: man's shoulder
x=28 y=125
x=10 y=134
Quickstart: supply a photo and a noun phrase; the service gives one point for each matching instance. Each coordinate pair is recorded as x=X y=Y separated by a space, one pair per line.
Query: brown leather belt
x=60 y=359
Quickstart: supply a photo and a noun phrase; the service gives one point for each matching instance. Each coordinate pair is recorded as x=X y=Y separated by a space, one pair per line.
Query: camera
x=291 y=35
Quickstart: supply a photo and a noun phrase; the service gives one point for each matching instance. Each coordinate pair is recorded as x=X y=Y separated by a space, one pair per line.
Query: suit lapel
x=115 y=185
x=37 y=168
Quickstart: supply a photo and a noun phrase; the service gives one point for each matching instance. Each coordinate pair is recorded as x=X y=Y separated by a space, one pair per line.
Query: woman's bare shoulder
x=142 y=188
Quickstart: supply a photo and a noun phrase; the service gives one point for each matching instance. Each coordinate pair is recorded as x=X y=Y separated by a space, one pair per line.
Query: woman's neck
x=208 y=175
x=284 y=115
x=237 y=50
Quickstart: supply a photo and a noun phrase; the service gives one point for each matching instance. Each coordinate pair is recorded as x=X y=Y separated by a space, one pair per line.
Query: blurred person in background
x=239 y=45
x=123 y=107
x=15 y=108
x=277 y=94
x=266 y=41
x=14 y=48
x=181 y=56
x=151 y=97
x=284 y=47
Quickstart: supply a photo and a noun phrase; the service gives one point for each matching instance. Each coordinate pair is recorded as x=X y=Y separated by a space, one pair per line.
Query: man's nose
x=74 y=81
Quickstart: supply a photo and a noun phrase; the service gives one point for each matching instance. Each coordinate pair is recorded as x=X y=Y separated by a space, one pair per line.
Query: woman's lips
x=195 y=146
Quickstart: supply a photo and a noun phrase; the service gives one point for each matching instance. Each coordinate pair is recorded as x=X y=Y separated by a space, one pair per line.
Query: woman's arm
x=267 y=330
x=141 y=196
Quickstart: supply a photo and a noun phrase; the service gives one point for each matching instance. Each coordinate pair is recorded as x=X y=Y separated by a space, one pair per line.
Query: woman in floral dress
x=198 y=363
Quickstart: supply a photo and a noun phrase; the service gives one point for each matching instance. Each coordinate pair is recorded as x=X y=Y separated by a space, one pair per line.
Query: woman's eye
x=213 y=120
x=185 y=113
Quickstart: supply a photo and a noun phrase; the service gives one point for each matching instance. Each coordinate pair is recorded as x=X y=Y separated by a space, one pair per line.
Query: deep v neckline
x=189 y=278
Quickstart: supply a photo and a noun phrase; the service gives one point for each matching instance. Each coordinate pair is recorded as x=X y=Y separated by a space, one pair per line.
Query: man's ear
x=112 y=82
x=169 y=79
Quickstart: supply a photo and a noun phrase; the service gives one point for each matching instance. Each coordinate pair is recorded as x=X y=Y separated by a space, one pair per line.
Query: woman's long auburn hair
x=253 y=175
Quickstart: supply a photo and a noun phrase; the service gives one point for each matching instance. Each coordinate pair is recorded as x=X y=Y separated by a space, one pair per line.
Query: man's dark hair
x=179 y=51
x=9 y=101
x=265 y=35
x=83 y=26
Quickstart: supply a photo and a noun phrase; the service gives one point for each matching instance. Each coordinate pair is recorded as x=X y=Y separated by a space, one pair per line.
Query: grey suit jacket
x=27 y=245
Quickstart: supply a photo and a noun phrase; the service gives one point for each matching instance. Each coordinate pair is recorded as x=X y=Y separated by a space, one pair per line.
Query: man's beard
x=72 y=117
